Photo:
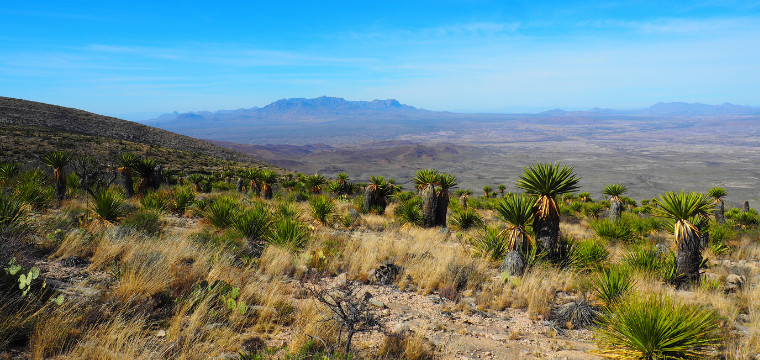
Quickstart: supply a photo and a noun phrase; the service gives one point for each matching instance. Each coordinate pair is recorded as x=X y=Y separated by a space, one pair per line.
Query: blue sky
x=143 y=58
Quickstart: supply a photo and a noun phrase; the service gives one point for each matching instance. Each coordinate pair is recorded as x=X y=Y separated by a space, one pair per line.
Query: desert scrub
x=146 y=222
x=156 y=200
x=657 y=327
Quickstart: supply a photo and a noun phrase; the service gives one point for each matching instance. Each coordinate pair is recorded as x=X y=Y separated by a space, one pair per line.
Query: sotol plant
x=108 y=204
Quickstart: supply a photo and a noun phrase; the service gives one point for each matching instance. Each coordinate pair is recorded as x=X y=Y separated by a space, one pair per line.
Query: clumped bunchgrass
x=183 y=197
x=655 y=326
x=288 y=233
x=146 y=222
x=409 y=211
x=13 y=214
x=156 y=200
x=620 y=230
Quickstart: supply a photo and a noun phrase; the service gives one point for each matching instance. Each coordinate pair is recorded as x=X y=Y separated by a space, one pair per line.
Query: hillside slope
x=15 y=113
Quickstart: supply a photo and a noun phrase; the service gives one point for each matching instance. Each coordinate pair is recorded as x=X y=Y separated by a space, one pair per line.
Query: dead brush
x=407 y=346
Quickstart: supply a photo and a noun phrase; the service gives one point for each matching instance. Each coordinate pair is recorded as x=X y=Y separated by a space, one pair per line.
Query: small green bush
x=183 y=197
x=32 y=187
x=156 y=201
x=146 y=222
x=658 y=327
x=253 y=222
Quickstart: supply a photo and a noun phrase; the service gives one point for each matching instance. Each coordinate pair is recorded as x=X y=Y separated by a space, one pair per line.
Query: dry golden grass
x=56 y=331
x=117 y=338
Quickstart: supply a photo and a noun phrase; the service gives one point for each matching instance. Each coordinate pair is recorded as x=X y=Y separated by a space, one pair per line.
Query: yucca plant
x=315 y=183
x=745 y=219
x=657 y=327
x=616 y=204
x=376 y=194
x=267 y=178
x=501 y=188
x=322 y=209
x=13 y=215
x=466 y=218
x=343 y=186
x=487 y=191
x=58 y=160
x=610 y=284
x=221 y=213
x=108 y=204
x=127 y=163
x=546 y=182
x=680 y=207
x=718 y=193
x=144 y=167
x=425 y=181
x=490 y=243
x=288 y=233
x=517 y=211
x=445 y=183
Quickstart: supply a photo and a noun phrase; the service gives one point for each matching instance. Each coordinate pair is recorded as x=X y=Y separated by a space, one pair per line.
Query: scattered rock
x=341 y=278
x=661 y=249
x=401 y=329
x=734 y=283
x=354 y=214
x=469 y=301
x=161 y=333
x=74 y=261
x=386 y=274
x=377 y=303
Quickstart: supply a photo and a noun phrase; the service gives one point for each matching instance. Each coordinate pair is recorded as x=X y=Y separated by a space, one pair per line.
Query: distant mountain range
x=338 y=121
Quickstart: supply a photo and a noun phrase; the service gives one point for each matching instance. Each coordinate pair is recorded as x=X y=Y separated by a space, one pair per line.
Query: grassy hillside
x=29 y=129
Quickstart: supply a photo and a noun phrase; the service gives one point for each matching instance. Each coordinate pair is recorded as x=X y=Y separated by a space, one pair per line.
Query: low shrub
x=409 y=211
x=108 y=204
x=322 y=208
x=610 y=285
x=490 y=243
x=288 y=233
x=466 y=218
x=221 y=213
x=620 y=230
x=589 y=255
x=146 y=222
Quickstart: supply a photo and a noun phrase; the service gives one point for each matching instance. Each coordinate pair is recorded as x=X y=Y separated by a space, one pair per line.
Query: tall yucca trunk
x=369 y=199
x=143 y=185
x=720 y=213
x=266 y=191
x=514 y=262
x=616 y=209
x=239 y=185
x=429 y=200
x=441 y=207
x=59 y=177
x=689 y=255
x=158 y=177
x=126 y=181
x=546 y=226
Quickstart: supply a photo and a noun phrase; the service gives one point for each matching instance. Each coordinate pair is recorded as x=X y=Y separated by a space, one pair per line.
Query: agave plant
x=546 y=182
x=425 y=180
x=288 y=233
x=616 y=204
x=58 y=160
x=718 y=193
x=108 y=204
x=658 y=327
x=680 y=207
x=222 y=212
x=466 y=218
x=517 y=211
